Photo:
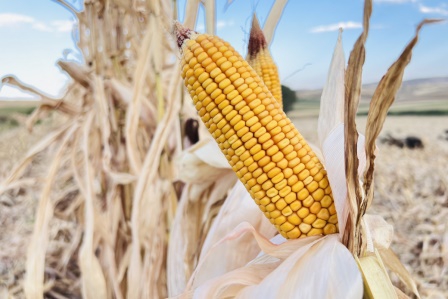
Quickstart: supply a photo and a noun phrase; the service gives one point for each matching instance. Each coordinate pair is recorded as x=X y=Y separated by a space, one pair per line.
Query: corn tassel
x=261 y=61
x=269 y=156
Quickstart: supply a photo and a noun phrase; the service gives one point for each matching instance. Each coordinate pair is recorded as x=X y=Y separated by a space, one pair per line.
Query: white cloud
x=434 y=10
x=12 y=19
x=41 y=27
x=63 y=25
x=219 y=25
x=335 y=27
x=222 y=24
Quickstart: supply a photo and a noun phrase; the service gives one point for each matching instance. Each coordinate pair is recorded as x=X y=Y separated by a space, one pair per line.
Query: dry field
x=411 y=193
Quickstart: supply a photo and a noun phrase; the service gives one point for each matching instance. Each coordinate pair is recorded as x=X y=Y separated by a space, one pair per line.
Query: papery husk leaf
x=353 y=80
x=381 y=101
x=211 y=154
x=202 y=163
x=210 y=16
x=377 y=283
x=191 y=13
x=234 y=278
x=332 y=100
x=273 y=19
x=283 y=271
x=238 y=207
x=333 y=152
x=393 y=263
x=381 y=232
x=325 y=270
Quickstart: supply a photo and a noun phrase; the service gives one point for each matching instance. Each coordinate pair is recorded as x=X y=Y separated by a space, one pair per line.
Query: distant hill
x=411 y=90
x=414 y=96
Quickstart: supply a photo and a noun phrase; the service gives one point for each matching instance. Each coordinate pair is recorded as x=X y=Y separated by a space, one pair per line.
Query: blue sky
x=34 y=34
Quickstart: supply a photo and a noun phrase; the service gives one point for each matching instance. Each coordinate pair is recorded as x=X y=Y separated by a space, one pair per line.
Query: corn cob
x=261 y=61
x=269 y=156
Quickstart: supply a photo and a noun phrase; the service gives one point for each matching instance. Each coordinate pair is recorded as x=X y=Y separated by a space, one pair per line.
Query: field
x=411 y=193
x=415 y=97
x=12 y=112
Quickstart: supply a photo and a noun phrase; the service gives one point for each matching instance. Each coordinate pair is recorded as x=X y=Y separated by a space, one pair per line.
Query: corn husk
x=377 y=283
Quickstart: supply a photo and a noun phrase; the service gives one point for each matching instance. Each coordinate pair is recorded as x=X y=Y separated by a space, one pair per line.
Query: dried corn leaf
x=77 y=72
x=353 y=80
x=35 y=265
x=146 y=179
x=92 y=278
x=393 y=263
x=146 y=55
x=189 y=229
x=382 y=99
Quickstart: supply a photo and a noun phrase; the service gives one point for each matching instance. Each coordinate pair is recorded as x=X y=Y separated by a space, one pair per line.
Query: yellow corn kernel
x=271 y=158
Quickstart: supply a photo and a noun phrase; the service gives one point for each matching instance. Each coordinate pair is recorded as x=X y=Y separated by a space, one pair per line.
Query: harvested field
x=411 y=194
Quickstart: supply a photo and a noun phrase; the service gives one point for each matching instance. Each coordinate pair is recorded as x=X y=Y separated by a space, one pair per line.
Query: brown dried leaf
x=382 y=99
x=393 y=263
x=353 y=80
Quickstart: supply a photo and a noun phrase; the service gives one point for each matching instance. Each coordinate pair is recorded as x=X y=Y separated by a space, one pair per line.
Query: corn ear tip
x=182 y=33
x=257 y=41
